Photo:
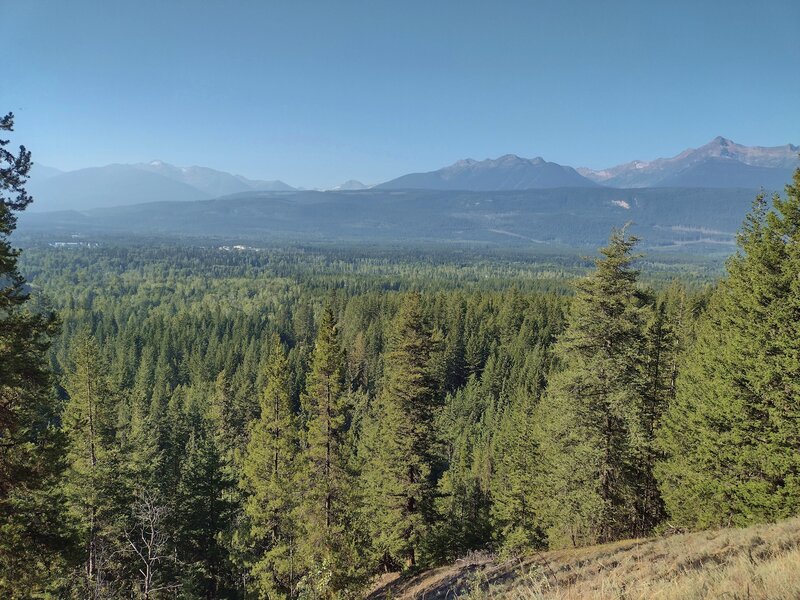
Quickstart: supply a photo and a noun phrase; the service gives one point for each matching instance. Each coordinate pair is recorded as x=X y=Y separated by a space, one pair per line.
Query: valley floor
x=757 y=563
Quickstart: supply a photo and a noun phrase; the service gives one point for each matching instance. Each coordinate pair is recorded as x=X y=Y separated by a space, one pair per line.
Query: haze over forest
x=692 y=202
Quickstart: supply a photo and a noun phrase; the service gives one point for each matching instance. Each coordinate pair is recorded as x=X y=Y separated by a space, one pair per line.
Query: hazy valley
x=693 y=202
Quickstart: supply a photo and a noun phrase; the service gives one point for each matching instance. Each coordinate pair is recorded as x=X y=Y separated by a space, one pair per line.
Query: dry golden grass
x=757 y=563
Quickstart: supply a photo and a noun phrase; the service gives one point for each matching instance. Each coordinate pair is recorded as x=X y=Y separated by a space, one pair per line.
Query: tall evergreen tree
x=201 y=514
x=402 y=469
x=324 y=479
x=463 y=494
x=267 y=477
x=223 y=415
x=664 y=335
x=142 y=455
x=32 y=532
x=93 y=479
x=732 y=437
x=589 y=420
x=515 y=522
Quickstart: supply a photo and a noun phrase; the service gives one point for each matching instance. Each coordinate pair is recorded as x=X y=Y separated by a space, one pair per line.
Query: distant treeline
x=694 y=220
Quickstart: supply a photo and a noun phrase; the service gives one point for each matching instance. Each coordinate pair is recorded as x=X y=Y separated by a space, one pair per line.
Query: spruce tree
x=142 y=455
x=664 y=335
x=589 y=420
x=401 y=471
x=516 y=525
x=200 y=515
x=222 y=414
x=267 y=478
x=732 y=437
x=324 y=480
x=463 y=490
x=33 y=536
x=93 y=478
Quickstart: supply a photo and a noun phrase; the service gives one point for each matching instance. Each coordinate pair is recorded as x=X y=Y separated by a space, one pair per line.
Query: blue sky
x=318 y=92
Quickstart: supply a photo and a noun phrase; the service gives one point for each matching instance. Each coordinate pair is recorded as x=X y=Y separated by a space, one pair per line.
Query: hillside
x=575 y=217
x=760 y=562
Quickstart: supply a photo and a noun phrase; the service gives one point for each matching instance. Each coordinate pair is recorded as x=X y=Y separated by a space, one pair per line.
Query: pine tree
x=325 y=481
x=732 y=436
x=142 y=455
x=664 y=334
x=515 y=522
x=589 y=420
x=176 y=431
x=402 y=474
x=268 y=473
x=33 y=536
x=463 y=494
x=223 y=415
x=93 y=479
x=200 y=515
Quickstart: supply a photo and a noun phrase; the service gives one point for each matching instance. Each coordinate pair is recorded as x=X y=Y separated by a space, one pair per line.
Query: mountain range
x=119 y=185
x=509 y=172
x=721 y=163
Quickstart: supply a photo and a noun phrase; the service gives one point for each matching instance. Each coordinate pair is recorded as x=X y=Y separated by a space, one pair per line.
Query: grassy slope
x=760 y=562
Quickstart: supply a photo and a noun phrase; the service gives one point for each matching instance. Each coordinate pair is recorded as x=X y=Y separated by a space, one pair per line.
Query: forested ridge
x=202 y=423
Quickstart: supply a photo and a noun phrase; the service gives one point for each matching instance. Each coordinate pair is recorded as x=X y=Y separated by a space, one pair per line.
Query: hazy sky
x=318 y=92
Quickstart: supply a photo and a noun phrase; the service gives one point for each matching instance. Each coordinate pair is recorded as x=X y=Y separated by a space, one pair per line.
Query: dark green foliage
x=401 y=468
x=665 y=334
x=590 y=422
x=33 y=529
x=92 y=485
x=485 y=492
x=463 y=495
x=269 y=471
x=732 y=437
x=328 y=549
x=516 y=525
x=200 y=516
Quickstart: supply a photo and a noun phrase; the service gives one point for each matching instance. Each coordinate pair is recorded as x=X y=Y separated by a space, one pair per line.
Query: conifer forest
x=182 y=420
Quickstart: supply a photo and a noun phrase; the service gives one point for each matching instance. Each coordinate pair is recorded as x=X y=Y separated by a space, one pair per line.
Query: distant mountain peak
x=719 y=163
x=464 y=162
x=506 y=172
x=210 y=181
x=349 y=186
